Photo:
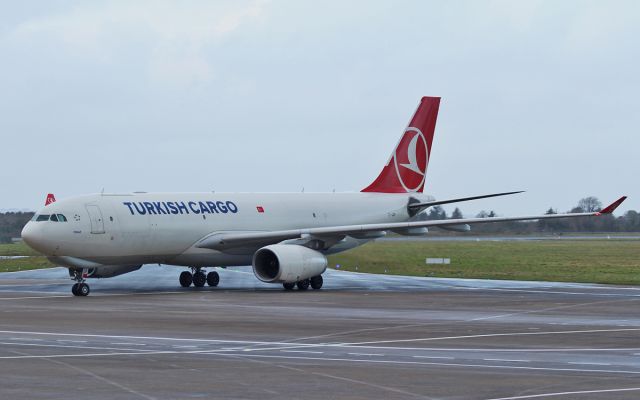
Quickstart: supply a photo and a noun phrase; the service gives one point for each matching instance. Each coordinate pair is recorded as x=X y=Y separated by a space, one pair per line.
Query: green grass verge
x=34 y=261
x=17 y=249
x=23 y=264
x=597 y=261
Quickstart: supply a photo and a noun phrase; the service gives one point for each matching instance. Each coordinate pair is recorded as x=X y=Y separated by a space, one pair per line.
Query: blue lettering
x=172 y=207
x=182 y=207
x=158 y=207
x=149 y=207
x=203 y=208
x=212 y=207
x=140 y=209
x=128 y=204
x=192 y=205
x=222 y=207
x=232 y=207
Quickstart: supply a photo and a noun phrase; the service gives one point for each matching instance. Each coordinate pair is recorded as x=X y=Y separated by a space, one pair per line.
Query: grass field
x=597 y=261
x=34 y=260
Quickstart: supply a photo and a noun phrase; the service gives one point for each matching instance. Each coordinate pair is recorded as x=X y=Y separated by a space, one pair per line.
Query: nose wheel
x=80 y=288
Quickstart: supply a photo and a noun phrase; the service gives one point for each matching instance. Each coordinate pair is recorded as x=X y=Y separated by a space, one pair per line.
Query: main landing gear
x=199 y=277
x=315 y=283
x=80 y=288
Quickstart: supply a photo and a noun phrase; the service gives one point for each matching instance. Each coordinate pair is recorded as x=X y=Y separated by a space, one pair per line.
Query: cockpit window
x=62 y=218
x=53 y=218
x=43 y=217
x=35 y=216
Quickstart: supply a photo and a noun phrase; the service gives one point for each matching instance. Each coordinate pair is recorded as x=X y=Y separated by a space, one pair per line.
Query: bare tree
x=590 y=204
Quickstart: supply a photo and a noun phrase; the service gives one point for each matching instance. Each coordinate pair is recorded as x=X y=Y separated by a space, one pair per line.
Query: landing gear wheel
x=186 y=279
x=289 y=285
x=83 y=289
x=303 y=284
x=74 y=289
x=213 y=279
x=316 y=282
x=199 y=279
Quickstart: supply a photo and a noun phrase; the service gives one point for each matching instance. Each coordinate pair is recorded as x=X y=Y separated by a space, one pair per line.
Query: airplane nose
x=31 y=235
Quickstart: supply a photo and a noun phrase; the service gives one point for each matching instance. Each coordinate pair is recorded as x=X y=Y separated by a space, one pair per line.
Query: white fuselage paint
x=130 y=237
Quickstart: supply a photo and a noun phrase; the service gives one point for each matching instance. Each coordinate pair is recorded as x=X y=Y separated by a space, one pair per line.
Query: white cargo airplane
x=285 y=236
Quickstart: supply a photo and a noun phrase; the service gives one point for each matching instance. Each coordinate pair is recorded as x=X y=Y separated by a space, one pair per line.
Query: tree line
x=11 y=224
x=629 y=222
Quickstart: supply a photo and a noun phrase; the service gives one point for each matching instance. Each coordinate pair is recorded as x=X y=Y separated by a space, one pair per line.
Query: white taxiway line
x=542 y=291
x=534 y=396
x=493 y=335
x=33 y=297
x=279 y=346
x=159 y=292
x=359 y=360
x=136 y=352
x=366 y=354
x=128 y=344
x=435 y=358
x=60 y=346
x=302 y=351
x=587 y=363
x=146 y=338
x=133 y=353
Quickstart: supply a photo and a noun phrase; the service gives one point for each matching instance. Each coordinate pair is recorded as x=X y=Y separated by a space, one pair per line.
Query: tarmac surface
x=361 y=336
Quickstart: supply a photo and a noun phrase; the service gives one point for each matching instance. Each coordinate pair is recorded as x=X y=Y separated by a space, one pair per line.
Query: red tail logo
x=407 y=167
x=50 y=199
x=410 y=159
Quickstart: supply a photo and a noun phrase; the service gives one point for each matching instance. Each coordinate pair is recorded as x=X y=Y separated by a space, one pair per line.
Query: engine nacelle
x=287 y=263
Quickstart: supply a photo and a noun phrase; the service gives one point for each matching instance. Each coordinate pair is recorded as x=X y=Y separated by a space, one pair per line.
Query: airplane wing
x=229 y=240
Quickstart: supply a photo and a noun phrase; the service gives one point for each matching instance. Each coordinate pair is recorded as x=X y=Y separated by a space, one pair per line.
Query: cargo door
x=95 y=216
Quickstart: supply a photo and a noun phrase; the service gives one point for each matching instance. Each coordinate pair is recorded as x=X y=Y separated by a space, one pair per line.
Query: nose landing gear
x=80 y=288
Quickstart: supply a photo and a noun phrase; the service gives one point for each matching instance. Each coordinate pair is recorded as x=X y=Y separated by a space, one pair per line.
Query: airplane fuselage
x=144 y=228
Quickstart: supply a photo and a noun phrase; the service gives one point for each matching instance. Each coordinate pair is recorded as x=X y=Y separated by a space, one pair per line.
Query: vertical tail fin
x=407 y=167
x=50 y=199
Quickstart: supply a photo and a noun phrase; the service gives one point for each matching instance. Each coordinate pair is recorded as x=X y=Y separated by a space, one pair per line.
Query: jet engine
x=287 y=263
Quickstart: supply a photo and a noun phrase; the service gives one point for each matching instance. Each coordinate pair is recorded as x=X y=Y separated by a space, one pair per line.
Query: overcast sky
x=233 y=96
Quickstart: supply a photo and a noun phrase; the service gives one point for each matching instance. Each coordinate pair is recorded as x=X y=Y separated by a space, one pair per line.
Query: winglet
x=611 y=207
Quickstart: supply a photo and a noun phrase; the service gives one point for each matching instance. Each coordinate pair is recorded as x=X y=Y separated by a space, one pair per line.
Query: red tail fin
x=407 y=166
x=50 y=199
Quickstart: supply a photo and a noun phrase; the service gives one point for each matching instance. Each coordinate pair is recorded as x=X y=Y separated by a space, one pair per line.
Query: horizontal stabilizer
x=458 y=200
